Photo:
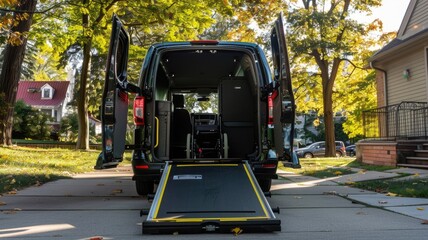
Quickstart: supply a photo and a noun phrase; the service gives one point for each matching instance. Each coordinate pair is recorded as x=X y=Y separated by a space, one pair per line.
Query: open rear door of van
x=283 y=97
x=114 y=109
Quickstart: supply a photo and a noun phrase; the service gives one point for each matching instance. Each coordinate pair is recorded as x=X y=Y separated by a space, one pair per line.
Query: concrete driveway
x=104 y=205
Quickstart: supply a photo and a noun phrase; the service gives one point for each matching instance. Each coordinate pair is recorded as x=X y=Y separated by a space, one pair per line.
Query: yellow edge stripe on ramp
x=232 y=219
x=161 y=194
x=255 y=191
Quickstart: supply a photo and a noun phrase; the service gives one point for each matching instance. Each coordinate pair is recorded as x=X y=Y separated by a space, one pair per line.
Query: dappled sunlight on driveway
x=15 y=232
x=302 y=184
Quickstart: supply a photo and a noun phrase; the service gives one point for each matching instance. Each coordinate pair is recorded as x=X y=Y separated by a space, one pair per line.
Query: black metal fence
x=407 y=120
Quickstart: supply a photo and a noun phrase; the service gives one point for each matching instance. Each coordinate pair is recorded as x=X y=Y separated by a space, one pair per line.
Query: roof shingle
x=29 y=92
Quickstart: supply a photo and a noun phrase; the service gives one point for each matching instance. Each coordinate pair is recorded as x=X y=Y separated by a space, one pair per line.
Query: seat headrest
x=178 y=100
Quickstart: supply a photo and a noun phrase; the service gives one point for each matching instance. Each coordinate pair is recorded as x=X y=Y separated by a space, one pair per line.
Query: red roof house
x=50 y=97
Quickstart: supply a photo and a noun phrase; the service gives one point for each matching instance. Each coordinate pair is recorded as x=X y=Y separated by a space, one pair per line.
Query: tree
x=323 y=37
x=11 y=67
x=147 y=21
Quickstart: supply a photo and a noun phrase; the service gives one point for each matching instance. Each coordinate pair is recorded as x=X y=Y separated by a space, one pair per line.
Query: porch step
x=417 y=160
x=412 y=165
x=421 y=153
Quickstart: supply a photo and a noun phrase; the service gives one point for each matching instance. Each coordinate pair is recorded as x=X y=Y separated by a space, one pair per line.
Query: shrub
x=30 y=123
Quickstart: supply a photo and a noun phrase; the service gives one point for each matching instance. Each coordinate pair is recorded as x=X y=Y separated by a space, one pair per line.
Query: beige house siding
x=418 y=20
x=380 y=89
x=414 y=88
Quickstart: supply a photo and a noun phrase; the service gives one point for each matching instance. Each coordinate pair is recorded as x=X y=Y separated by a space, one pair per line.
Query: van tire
x=265 y=184
x=144 y=187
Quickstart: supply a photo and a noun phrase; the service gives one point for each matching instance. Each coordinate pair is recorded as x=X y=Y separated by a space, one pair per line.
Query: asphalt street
x=104 y=205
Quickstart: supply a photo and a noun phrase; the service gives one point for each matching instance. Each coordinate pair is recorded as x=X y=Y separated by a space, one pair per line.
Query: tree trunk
x=11 y=70
x=330 y=145
x=82 y=102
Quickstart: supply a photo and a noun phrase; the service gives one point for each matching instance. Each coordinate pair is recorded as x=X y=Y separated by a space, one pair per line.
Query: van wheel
x=265 y=184
x=144 y=187
x=308 y=155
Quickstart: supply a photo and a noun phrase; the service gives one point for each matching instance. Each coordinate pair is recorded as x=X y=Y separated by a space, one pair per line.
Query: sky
x=391 y=13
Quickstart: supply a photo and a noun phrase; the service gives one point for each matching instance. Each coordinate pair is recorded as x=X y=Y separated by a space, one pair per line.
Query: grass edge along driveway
x=332 y=167
x=22 y=167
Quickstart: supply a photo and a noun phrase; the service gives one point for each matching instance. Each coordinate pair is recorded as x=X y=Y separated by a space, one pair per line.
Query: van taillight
x=139 y=111
x=270 y=109
x=268 y=165
x=143 y=166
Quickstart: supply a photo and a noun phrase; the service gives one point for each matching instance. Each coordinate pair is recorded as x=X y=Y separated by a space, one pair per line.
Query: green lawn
x=331 y=167
x=323 y=167
x=22 y=167
x=408 y=188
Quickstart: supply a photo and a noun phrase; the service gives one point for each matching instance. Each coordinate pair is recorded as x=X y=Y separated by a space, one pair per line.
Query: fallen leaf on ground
x=420 y=208
x=424 y=222
x=13 y=192
x=236 y=231
x=96 y=238
x=117 y=191
x=382 y=202
x=391 y=194
x=2 y=203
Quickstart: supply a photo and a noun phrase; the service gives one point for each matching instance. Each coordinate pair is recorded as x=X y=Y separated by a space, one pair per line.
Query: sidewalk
x=413 y=207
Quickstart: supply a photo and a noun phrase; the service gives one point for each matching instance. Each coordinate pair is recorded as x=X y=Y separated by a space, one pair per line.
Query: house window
x=47 y=92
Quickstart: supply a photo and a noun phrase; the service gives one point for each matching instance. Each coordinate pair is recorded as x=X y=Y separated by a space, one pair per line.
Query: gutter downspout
x=385 y=82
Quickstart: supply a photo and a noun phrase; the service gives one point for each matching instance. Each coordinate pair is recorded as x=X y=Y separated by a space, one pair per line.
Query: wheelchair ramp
x=205 y=197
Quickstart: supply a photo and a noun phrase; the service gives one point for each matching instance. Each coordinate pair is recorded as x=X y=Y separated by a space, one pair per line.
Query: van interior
x=207 y=105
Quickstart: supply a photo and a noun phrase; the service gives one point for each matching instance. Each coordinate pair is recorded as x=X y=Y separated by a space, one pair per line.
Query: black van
x=250 y=113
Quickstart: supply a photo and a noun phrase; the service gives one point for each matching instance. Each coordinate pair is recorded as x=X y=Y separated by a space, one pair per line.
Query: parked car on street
x=317 y=149
x=350 y=150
